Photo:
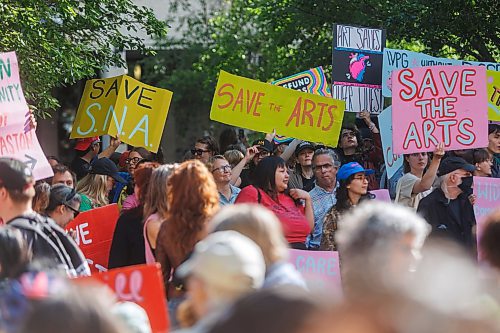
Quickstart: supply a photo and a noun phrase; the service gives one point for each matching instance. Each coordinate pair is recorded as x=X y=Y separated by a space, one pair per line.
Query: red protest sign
x=94 y=233
x=141 y=284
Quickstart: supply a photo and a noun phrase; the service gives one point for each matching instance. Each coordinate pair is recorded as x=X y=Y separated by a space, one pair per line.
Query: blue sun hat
x=351 y=168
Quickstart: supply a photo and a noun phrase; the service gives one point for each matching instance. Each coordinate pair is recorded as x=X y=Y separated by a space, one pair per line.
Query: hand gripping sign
x=439 y=104
x=125 y=107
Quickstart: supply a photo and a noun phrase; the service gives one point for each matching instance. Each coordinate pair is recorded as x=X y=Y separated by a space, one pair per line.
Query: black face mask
x=466 y=185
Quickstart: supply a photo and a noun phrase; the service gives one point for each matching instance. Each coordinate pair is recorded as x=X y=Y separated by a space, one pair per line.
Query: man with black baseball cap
x=448 y=208
x=263 y=148
x=44 y=237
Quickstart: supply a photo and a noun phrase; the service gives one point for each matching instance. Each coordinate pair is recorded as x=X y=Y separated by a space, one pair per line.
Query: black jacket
x=435 y=208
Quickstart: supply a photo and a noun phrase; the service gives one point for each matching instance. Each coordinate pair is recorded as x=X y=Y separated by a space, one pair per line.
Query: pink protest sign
x=487 y=192
x=439 y=104
x=320 y=269
x=16 y=139
x=381 y=195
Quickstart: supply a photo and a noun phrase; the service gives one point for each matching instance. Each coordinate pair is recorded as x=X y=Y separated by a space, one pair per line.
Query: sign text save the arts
x=123 y=106
x=262 y=107
x=439 y=104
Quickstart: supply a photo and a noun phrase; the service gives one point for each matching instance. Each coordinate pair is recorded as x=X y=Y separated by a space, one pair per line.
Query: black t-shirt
x=307 y=183
x=80 y=167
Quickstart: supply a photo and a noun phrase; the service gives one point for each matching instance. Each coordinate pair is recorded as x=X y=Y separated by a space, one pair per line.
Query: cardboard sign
x=16 y=139
x=357 y=67
x=312 y=81
x=262 y=107
x=140 y=284
x=487 y=191
x=123 y=106
x=320 y=269
x=381 y=195
x=439 y=104
x=392 y=161
x=94 y=230
x=398 y=59
x=493 y=84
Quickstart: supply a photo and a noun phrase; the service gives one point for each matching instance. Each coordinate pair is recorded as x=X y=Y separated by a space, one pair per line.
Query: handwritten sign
x=140 y=284
x=487 y=191
x=439 y=104
x=94 y=233
x=312 y=81
x=123 y=106
x=399 y=59
x=357 y=67
x=17 y=140
x=493 y=84
x=320 y=269
x=392 y=161
x=262 y=107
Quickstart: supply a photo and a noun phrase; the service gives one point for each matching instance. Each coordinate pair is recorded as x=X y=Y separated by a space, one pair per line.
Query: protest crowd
x=281 y=235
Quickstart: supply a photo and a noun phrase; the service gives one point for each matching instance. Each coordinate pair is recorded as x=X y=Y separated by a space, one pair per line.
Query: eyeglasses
x=198 y=152
x=224 y=168
x=75 y=211
x=360 y=177
x=326 y=166
x=133 y=160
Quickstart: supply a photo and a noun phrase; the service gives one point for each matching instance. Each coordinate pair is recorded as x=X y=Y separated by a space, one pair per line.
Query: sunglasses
x=66 y=201
x=75 y=211
x=198 y=152
x=134 y=160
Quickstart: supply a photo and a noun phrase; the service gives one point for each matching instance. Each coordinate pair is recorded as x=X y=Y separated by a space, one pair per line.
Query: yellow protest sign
x=262 y=107
x=123 y=106
x=493 y=83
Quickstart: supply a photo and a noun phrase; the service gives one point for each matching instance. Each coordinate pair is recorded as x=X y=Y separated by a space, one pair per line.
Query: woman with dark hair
x=483 y=162
x=127 y=247
x=353 y=188
x=293 y=208
x=204 y=148
x=64 y=204
x=192 y=199
x=416 y=182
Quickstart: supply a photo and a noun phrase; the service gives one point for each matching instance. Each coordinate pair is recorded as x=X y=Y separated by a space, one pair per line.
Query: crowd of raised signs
x=222 y=224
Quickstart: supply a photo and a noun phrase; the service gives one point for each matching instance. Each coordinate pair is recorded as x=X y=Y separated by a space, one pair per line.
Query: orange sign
x=94 y=232
x=142 y=285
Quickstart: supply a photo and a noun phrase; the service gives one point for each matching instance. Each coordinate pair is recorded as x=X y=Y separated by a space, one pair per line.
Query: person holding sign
x=494 y=148
x=64 y=204
x=415 y=184
x=293 y=208
x=87 y=150
x=448 y=209
x=353 y=188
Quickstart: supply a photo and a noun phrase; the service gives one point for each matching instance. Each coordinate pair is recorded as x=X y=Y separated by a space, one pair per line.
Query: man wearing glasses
x=448 y=209
x=45 y=239
x=205 y=148
x=325 y=165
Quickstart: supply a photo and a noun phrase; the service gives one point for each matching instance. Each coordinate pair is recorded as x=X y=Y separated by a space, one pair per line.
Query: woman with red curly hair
x=192 y=199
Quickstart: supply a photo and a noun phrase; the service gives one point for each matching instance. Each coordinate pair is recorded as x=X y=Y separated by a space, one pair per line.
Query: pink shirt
x=150 y=258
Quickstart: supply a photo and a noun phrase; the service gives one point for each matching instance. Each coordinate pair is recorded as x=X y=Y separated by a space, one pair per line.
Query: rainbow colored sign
x=312 y=81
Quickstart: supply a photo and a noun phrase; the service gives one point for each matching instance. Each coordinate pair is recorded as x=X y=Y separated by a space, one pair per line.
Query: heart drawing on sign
x=357 y=66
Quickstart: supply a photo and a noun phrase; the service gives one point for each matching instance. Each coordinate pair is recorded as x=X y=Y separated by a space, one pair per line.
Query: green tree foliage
x=61 y=42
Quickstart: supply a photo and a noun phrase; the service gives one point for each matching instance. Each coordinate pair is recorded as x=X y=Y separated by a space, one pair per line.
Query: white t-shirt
x=404 y=189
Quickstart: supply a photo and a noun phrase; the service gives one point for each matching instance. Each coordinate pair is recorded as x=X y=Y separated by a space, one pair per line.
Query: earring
x=349 y=186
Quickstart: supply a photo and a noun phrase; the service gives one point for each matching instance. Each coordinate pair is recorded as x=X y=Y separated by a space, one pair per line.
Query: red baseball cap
x=84 y=143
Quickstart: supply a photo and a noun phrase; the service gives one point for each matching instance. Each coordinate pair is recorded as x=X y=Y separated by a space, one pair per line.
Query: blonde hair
x=257 y=223
x=233 y=157
x=94 y=187
x=155 y=200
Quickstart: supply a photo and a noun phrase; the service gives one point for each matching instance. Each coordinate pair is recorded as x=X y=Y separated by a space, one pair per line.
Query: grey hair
x=372 y=224
x=329 y=152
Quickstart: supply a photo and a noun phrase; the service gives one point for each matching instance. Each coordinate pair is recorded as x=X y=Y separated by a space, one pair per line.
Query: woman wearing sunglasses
x=419 y=175
x=353 y=188
x=64 y=204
